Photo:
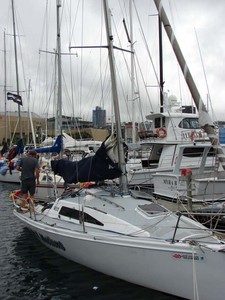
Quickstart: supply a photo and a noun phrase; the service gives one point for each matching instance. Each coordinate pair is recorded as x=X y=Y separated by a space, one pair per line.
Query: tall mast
x=161 y=82
x=16 y=63
x=5 y=82
x=204 y=118
x=30 y=116
x=59 y=102
x=130 y=40
x=132 y=75
x=123 y=183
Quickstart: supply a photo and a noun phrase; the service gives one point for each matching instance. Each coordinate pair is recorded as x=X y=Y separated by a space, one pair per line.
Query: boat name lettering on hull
x=183 y=256
x=51 y=242
x=170 y=182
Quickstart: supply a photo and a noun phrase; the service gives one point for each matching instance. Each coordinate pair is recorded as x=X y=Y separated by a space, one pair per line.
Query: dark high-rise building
x=99 y=117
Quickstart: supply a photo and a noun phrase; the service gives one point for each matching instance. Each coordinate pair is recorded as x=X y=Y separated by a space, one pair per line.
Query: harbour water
x=29 y=270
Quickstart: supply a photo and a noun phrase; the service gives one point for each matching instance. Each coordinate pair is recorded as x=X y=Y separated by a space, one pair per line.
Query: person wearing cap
x=30 y=169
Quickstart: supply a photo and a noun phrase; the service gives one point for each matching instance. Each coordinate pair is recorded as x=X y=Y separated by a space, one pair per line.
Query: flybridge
x=177 y=123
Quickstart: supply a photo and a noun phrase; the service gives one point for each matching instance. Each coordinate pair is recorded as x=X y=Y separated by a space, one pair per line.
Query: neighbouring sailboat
x=125 y=234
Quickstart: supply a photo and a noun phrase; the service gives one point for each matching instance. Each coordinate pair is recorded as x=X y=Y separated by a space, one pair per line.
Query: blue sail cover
x=56 y=148
x=95 y=168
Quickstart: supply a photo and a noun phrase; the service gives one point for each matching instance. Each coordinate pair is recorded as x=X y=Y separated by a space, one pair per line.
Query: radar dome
x=172 y=99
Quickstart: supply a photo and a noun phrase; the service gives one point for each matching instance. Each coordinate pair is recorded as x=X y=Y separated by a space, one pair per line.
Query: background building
x=99 y=117
x=10 y=131
x=78 y=129
x=43 y=127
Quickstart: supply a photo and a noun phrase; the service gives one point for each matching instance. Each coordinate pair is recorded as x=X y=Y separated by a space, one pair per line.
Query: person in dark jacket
x=30 y=170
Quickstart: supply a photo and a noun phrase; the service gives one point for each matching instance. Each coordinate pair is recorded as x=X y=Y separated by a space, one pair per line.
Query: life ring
x=161 y=132
x=17 y=194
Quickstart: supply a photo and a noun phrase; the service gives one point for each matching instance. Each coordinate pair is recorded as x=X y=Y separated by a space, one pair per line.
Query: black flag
x=15 y=98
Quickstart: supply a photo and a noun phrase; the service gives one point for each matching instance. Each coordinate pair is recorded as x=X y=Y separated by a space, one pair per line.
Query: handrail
x=203 y=229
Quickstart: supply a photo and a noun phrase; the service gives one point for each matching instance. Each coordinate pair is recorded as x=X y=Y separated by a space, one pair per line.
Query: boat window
x=157 y=123
x=189 y=123
x=78 y=215
x=197 y=152
x=160 y=122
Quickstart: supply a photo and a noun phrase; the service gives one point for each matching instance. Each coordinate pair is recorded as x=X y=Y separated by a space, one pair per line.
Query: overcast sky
x=198 y=25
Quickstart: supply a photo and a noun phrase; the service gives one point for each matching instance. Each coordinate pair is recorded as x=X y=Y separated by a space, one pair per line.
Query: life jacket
x=12 y=153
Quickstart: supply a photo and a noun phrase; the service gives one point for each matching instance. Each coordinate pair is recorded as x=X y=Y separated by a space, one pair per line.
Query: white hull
x=149 y=259
x=201 y=187
x=11 y=178
x=140 y=262
x=144 y=176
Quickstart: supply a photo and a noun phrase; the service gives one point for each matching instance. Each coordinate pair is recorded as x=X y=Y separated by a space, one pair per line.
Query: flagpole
x=16 y=63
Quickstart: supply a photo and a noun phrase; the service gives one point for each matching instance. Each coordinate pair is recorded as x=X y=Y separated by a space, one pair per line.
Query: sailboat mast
x=132 y=75
x=161 y=82
x=122 y=164
x=59 y=102
x=16 y=64
x=5 y=82
x=204 y=117
x=30 y=117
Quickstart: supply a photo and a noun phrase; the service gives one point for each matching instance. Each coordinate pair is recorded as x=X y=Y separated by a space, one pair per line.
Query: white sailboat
x=125 y=234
